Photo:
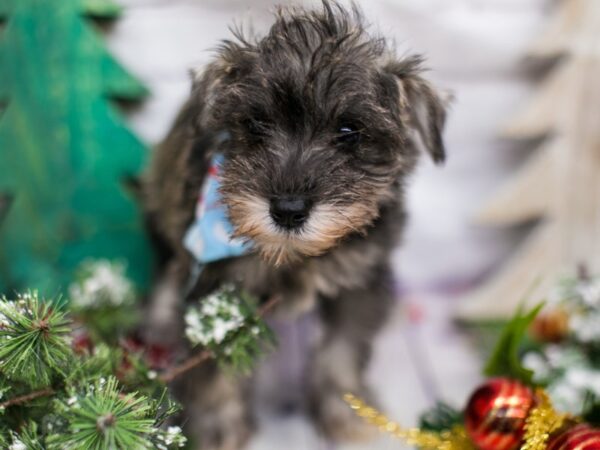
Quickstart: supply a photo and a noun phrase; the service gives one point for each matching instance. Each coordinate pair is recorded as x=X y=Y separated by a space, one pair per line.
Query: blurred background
x=474 y=48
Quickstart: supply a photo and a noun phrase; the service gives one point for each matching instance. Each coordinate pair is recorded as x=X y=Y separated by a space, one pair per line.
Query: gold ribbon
x=541 y=422
x=448 y=440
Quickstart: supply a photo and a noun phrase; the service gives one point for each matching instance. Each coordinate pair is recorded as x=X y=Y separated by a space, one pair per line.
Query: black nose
x=289 y=212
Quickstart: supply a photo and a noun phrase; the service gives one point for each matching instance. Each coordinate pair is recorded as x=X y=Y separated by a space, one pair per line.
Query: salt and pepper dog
x=319 y=125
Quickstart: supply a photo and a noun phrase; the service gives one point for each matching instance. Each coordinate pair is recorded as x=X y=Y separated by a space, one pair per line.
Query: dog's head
x=323 y=125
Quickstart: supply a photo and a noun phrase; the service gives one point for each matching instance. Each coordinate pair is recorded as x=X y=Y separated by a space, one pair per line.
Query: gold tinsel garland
x=541 y=422
x=456 y=439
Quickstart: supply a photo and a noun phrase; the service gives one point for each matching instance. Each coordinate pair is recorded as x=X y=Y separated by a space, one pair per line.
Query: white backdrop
x=474 y=48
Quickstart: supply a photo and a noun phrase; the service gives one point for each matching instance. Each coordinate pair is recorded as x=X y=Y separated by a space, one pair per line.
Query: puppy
x=319 y=125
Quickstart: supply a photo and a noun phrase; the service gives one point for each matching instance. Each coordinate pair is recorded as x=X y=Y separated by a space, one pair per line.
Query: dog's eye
x=256 y=127
x=348 y=134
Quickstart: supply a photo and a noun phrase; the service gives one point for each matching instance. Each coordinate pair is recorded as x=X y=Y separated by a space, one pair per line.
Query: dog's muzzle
x=289 y=212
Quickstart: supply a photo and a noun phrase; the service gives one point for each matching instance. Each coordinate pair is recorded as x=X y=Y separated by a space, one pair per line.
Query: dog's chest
x=299 y=286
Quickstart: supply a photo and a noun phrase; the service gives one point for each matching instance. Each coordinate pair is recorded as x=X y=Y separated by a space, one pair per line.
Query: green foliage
x=100 y=417
x=591 y=410
x=103 y=416
x=102 y=362
x=61 y=388
x=227 y=323
x=55 y=398
x=505 y=359
x=102 y=297
x=442 y=417
x=64 y=150
x=133 y=372
x=170 y=437
x=28 y=438
x=34 y=344
x=567 y=363
x=52 y=398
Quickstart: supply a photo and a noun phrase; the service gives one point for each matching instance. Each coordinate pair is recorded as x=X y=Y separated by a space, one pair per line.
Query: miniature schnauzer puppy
x=319 y=125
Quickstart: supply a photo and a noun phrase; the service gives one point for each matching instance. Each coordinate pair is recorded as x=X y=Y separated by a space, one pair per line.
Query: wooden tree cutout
x=64 y=150
x=561 y=183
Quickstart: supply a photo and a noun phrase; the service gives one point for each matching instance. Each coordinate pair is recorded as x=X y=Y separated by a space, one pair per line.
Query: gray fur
x=282 y=100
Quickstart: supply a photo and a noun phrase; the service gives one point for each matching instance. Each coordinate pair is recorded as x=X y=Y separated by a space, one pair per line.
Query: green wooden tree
x=64 y=149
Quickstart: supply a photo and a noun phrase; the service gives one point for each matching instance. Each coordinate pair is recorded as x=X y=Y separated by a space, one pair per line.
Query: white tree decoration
x=561 y=182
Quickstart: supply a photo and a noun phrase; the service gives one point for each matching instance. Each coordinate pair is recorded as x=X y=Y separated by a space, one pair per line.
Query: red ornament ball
x=496 y=413
x=580 y=437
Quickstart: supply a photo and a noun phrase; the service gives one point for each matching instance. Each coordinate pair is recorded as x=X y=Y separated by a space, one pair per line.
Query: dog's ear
x=421 y=104
x=234 y=60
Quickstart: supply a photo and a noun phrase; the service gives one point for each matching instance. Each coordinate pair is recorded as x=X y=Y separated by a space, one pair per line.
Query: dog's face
x=321 y=125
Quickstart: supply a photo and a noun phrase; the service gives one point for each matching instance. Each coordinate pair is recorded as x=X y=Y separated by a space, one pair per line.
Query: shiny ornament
x=580 y=437
x=497 y=412
x=551 y=326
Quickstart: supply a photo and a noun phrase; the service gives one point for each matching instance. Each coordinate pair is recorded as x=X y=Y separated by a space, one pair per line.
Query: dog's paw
x=222 y=429
x=223 y=438
x=337 y=421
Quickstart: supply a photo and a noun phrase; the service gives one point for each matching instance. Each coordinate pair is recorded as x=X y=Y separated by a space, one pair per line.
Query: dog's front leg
x=351 y=321
x=217 y=413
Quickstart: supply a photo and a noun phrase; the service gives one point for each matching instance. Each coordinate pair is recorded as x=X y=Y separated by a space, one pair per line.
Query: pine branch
x=205 y=355
x=21 y=399
x=102 y=416
x=190 y=363
x=108 y=395
x=34 y=345
x=168 y=376
x=104 y=299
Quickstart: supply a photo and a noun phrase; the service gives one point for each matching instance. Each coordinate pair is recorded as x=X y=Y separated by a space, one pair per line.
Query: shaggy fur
x=318 y=109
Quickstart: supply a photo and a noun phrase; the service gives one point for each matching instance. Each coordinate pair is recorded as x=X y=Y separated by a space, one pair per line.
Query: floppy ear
x=422 y=104
x=206 y=83
x=233 y=62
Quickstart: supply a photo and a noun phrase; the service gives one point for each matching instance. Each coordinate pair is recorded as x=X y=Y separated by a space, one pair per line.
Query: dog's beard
x=324 y=228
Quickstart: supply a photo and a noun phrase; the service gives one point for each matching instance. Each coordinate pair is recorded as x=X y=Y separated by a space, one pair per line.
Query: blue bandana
x=209 y=238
